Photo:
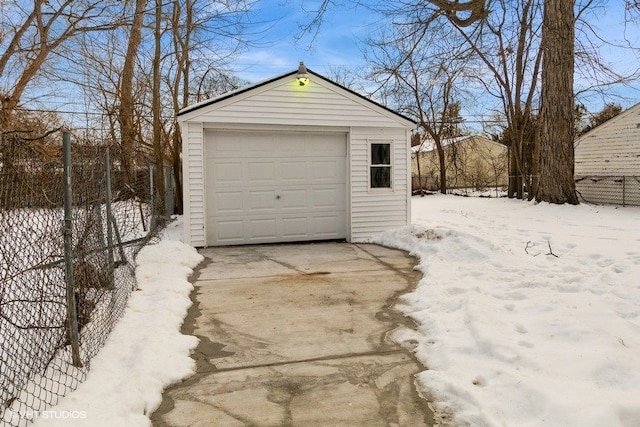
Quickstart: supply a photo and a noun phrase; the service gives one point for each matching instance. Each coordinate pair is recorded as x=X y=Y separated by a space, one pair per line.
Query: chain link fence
x=609 y=190
x=66 y=270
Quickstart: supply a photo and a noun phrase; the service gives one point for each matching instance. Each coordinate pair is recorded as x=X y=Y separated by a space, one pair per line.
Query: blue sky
x=281 y=44
x=346 y=26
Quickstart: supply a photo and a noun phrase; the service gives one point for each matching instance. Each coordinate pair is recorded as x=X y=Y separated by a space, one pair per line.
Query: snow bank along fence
x=70 y=227
x=457 y=181
x=609 y=190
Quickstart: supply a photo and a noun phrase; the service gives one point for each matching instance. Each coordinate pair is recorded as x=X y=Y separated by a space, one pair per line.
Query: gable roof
x=254 y=87
x=614 y=121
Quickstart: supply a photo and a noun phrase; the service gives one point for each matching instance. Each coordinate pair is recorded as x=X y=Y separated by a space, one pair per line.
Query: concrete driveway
x=294 y=335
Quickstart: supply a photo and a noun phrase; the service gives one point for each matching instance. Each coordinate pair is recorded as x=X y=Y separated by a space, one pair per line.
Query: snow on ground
x=527 y=314
x=145 y=352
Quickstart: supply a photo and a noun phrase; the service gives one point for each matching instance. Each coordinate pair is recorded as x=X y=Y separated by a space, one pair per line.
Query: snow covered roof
x=429 y=145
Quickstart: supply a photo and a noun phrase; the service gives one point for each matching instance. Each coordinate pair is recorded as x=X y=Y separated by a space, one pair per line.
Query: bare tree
x=557 y=51
x=32 y=30
x=156 y=110
x=609 y=111
x=418 y=74
x=202 y=39
x=126 y=96
x=507 y=43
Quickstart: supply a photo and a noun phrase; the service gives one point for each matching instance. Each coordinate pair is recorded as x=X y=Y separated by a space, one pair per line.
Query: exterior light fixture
x=303 y=76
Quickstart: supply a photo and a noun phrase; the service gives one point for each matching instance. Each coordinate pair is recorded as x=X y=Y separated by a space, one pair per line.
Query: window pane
x=380 y=177
x=380 y=154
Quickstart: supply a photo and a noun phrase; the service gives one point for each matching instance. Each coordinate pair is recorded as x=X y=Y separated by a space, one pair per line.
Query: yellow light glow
x=303 y=76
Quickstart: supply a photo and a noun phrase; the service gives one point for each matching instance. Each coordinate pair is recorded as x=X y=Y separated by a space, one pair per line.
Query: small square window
x=380 y=166
x=380 y=154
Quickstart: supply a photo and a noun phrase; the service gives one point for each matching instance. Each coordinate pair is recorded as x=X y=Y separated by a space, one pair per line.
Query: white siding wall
x=283 y=103
x=193 y=176
x=376 y=210
x=612 y=149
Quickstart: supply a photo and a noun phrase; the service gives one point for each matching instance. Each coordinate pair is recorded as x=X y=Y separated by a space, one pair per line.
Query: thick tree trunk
x=126 y=113
x=556 y=164
x=443 y=169
x=158 y=155
x=176 y=150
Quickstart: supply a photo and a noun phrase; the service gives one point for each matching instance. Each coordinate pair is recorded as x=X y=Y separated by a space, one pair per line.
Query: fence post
x=107 y=204
x=72 y=312
x=168 y=190
x=152 y=196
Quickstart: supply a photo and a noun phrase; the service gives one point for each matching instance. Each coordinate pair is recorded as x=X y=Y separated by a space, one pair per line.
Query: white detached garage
x=295 y=158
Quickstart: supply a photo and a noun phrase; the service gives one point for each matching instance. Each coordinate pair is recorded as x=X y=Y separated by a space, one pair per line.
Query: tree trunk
x=181 y=18
x=556 y=163
x=511 y=193
x=443 y=170
x=125 y=113
x=158 y=155
x=176 y=151
x=420 y=185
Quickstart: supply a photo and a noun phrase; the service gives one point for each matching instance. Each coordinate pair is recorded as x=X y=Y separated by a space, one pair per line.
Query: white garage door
x=265 y=187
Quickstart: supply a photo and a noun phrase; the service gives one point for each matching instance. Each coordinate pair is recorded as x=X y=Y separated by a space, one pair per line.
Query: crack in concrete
x=389 y=314
x=311 y=360
x=284 y=389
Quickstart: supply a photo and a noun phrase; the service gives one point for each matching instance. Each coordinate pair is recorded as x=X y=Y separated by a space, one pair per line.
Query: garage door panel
x=260 y=200
x=229 y=202
x=333 y=145
x=229 y=231
x=332 y=170
x=265 y=187
x=260 y=173
x=226 y=172
x=327 y=225
x=291 y=145
x=293 y=172
x=329 y=198
x=265 y=146
x=226 y=145
x=295 y=227
x=262 y=228
x=293 y=199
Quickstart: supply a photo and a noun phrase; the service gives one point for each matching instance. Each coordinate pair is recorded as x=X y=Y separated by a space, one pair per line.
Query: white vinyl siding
x=193 y=177
x=320 y=107
x=376 y=210
x=611 y=149
x=284 y=103
x=607 y=161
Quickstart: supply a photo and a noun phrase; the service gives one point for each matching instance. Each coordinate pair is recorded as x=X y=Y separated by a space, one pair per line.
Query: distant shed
x=607 y=161
x=471 y=162
x=293 y=159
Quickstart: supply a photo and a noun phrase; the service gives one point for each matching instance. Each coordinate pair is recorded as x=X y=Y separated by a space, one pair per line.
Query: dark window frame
x=380 y=159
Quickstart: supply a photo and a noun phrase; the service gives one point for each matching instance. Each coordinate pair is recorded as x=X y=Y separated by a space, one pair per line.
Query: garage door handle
x=278 y=197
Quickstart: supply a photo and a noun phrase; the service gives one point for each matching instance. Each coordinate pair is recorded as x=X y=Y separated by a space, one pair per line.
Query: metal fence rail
x=609 y=190
x=66 y=270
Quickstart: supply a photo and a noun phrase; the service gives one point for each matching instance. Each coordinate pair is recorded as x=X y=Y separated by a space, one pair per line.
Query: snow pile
x=144 y=353
x=527 y=314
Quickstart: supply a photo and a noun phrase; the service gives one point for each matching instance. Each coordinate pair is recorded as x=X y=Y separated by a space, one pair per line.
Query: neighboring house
x=295 y=158
x=607 y=161
x=471 y=161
